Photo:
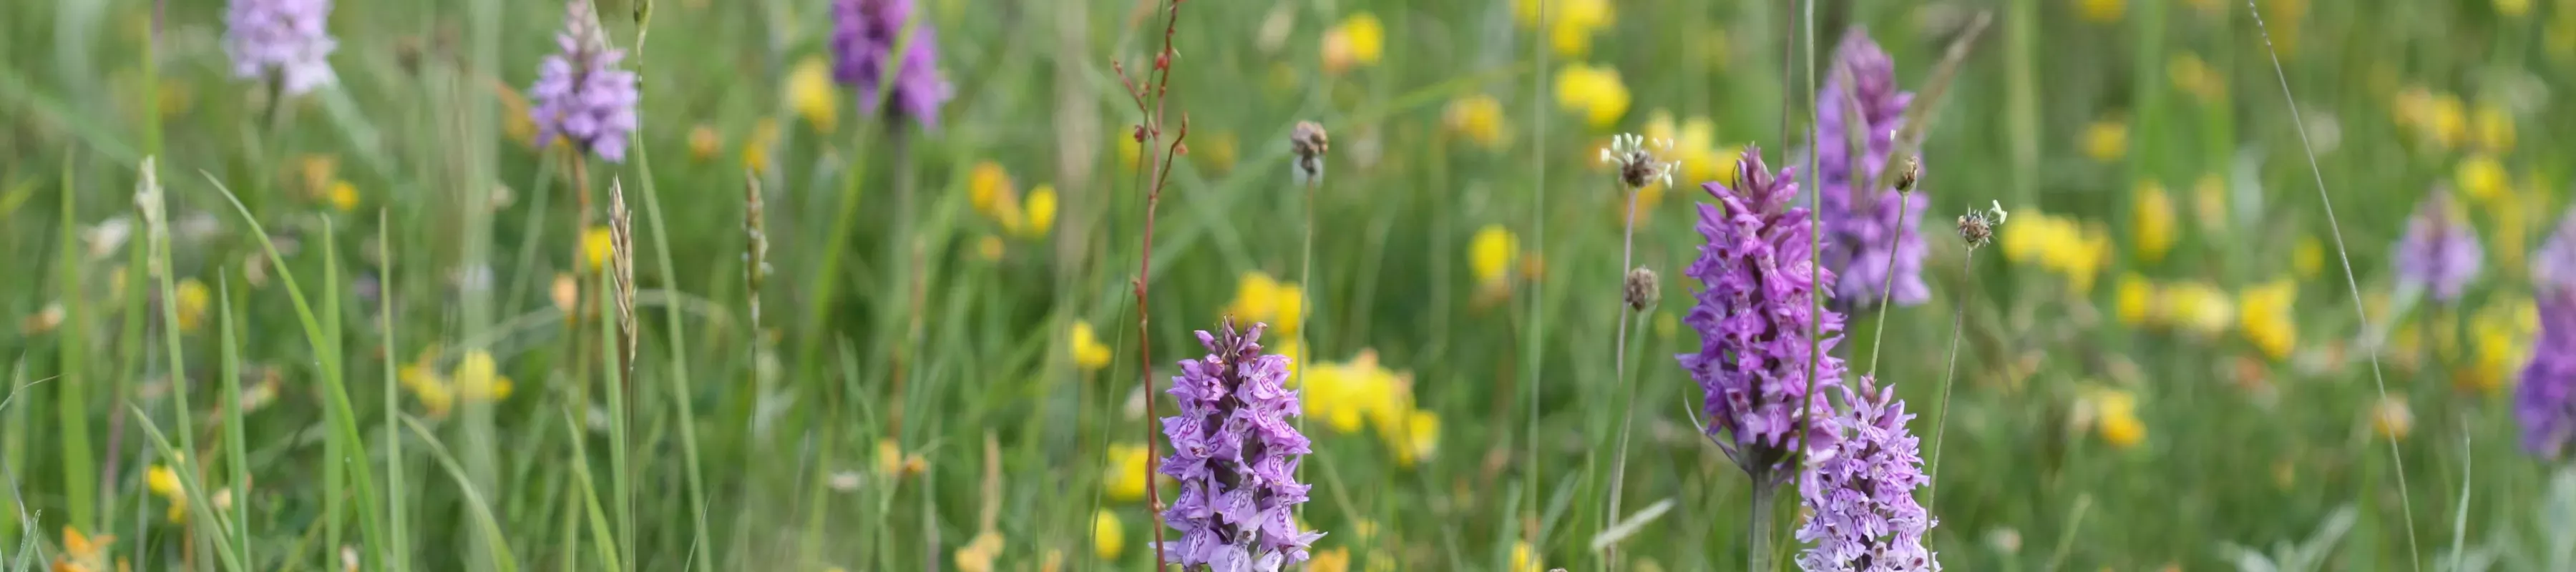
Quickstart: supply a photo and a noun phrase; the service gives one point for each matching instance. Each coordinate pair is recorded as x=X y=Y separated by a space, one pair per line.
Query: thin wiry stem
x=1149 y=135
x=1531 y=350
x=1941 y=425
x=2406 y=505
x=1627 y=406
x=1815 y=291
x=1887 y=289
x=1305 y=308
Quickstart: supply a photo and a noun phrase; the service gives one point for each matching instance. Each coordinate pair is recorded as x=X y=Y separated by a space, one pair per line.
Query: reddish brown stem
x=1149 y=135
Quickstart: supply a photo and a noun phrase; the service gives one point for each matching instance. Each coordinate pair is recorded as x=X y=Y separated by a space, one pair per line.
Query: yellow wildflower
x=1131 y=152
x=2391 y=419
x=1336 y=560
x=1260 y=298
x=1490 y=255
x=164 y=483
x=2116 y=418
x=478 y=378
x=2101 y=11
x=2285 y=16
x=2482 y=178
x=891 y=460
x=192 y=301
x=2308 y=257
x=317 y=171
x=2106 y=140
x=1524 y=559
x=1478 y=118
x=2152 y=221
x=989 y=189
x=81 y=552
x=2264 y=314
x=1571 y=23
x=2135 y=299
x=1088 y=352
x=1359 y=40
x=755 y=149
x=2197 y=306
x=2503 y=334
x=343 y=196
x=811 y=94
x=1594 y=92
x=1039 y=211
x=1695 y=145
x=1421 y=438
x=978 y=554
x=2447 y=121
x=2075 y=251
x=2193 y=76
x=596 y=245
x=2494 y=128
x=1108 y=538
x=1126 y=479
x=704 y=143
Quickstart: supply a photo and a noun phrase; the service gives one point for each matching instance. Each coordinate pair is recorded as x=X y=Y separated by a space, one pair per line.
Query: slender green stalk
x=71 y=401
x=1532 y=347
x=678 y=377
x=236 y=449
x=1941 y=425
x=397 y=554
x=1757 y=543
x=490 y=526
x=1619 y=356
x=191 y=487
x=153 y=201
x=2396 y=461
x=621 y=478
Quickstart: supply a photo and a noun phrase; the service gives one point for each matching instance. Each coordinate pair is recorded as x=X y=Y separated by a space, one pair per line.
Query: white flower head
x=1640 y=161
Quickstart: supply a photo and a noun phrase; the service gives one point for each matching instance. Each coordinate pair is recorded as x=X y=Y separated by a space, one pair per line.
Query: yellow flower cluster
x=990 y=190
x=811 y=94
x=2501 y=335
x=1260 y=298
x=596 y=245
x=193 y=298
x=2112 y=414
x=1088 y=352
x=1125 y=481
x=2101 y=11
x=893 y=462
x=1361 y=394
x=2191 y=306
x=1695 y=145
x=2193 y=76
x=82 y=553
x=1359 y=40
x=2263 y=313
x=1596 y=93
x=1108 y=536
x=2151 y=221
x=2483 y=179
x=1490 y=255
x=476 y=379
x=1570 y=23
x=2075 y=250
x=2107 y=139
x=2439 y=118
x=322 y=181
x=164 y=483
x=1478 y=118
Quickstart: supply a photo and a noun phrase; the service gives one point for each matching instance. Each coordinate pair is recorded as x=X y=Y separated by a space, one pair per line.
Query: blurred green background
x=406 y=365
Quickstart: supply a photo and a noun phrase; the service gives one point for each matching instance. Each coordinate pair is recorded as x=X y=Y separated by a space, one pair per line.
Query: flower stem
x=1941 y=425
x=1887 y=289
x=1627 y=406
x=1757 y=541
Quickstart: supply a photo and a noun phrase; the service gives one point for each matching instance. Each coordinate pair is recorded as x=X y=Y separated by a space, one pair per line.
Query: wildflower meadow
x=1327 y=285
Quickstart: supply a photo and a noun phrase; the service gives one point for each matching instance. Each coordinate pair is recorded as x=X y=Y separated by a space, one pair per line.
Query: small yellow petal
x=1108 y=538
x=1040 y=211
x=596 y=245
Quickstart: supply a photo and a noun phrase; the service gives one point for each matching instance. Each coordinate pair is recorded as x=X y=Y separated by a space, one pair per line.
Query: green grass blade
x=236 y=456
x=678 y=376
x=71 y=401
x=343 y=415
x=483 y=519
x=189 y=483
x=397 y=555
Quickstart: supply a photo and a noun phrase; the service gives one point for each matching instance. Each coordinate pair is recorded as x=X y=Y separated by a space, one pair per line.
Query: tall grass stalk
x=1531 y=348
x=148 y=197
x=2379 y=382
x=396 y=494
x=236 y=449
x=71 y=400
x=1941 y=424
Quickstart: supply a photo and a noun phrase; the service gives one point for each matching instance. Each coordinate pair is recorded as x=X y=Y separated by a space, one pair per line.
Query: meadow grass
x=890 y=381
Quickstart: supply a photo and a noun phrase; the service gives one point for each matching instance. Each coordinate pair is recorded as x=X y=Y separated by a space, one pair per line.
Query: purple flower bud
x=2439 y=252
x=1235 y=451
x=1754 y=322
x=285 y=40
x=2545 y=402
x=864 y=33
x=1862 y=219
x=580 y=93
